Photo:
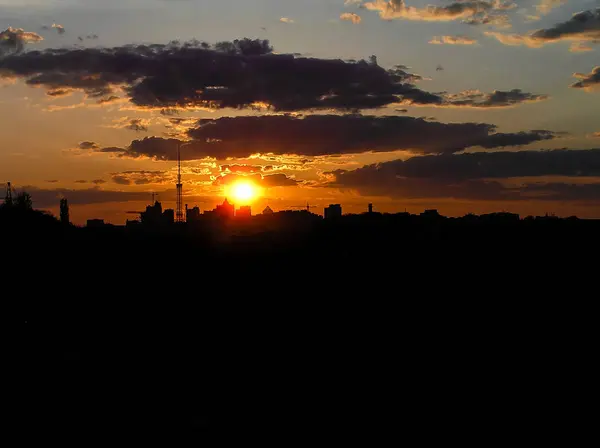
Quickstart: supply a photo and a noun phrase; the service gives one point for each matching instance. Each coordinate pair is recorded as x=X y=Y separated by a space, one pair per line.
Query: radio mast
x=179 y=211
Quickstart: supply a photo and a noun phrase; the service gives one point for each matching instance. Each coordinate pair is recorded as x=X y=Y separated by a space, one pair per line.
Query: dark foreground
x=365 y=331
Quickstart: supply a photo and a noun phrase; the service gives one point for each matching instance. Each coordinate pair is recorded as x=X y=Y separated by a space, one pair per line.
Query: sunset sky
x=467 y=106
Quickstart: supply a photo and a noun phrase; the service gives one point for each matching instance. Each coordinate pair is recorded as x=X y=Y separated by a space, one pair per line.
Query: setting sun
x=244 y=191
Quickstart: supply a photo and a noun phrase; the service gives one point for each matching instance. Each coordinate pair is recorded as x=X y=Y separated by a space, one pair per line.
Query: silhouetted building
x=225 y=210
x=244 y=211
x=267 y=211
x=333 y=211
x=8 y=200
x=153 y=214
x=169 y=216
x=430 y=214
x=192 y=214
x=95 y=223
x=370 y=208
x=64 y=211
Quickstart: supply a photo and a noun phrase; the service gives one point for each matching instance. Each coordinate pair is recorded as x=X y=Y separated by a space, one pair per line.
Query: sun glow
x=243 y=191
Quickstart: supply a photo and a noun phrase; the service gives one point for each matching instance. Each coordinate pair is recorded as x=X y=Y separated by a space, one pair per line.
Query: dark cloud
x=235 y=74
x=267 y=181
x=88 y=145
x=98 y=181
x=141 y=177
x=52 y=181
x=13 y=40
x=476 y=176
x=239 y=74
x=138 y=125
x=504 y=164
x=81 y=181
x=397 y=9
x=589 y=81
x=108 y=99
x=582 y=27
x=498 y=98
x=121 y=180
x=318 y=135
x=59 y=92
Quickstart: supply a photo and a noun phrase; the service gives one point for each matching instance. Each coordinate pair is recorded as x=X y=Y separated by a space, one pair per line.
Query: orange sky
x=94 y=124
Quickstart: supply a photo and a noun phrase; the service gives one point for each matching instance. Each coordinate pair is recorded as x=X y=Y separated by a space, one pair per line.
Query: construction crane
x=307 y=207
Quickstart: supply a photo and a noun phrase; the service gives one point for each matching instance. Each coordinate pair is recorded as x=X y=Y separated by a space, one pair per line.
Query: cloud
x=286 y=20
x=497 y=20
x=515 y=39
x=52 y=181
x=545 y=6
x=239 y=74
x=582 y=27
x=265 y=181
x=13 y=40
x=88 y=145
x=241 y=168
x=138 y=125
x=498 y=98
x=453 y=40
x=59 y=28
x=477 y=176
x=81 y=181
x=98 y=181
x=579 y=47
x=588 y=81
x=142 y=177
x=351 y=17
x=397 y=9
x=319 y=135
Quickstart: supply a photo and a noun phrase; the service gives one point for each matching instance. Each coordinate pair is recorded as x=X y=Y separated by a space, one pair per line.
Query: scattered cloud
x=81 y=181
x=286 y=20
x=453 y=40
x=476 y=10
x=88 y=145
x=588 y=81
x=13 y=40
x=138 y=125
x=545 y=6
x=98 y=181
x=581 y=27
x=579 y=47
x=320 y=135
x=498 y=98
x=351 y=17
x=142 y=177
x=496 y=20
x=59 y=28
x=241 y=168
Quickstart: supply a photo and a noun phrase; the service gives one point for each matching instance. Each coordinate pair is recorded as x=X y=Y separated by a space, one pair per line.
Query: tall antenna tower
x=179 y=212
